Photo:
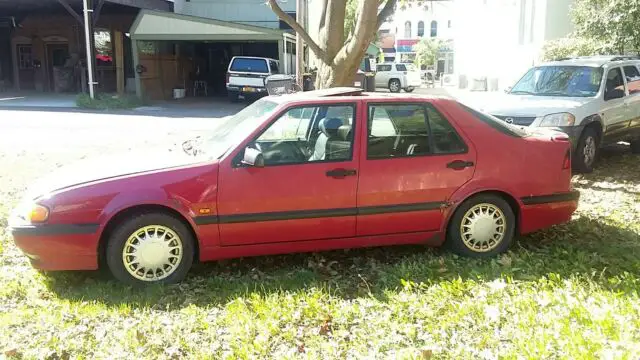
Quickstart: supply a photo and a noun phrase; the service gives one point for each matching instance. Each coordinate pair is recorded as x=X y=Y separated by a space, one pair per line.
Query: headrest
x=329 y=126
x=344 y=133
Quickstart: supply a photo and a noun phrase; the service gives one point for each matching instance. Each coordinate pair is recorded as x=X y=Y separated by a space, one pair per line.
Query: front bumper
x=58 y=246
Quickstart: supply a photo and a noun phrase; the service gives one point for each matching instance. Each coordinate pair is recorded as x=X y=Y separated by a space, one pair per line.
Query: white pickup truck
x=246 y=76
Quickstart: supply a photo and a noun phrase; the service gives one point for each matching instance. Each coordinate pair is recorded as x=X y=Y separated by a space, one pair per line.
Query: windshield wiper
x=521 y=92
x=554 y=93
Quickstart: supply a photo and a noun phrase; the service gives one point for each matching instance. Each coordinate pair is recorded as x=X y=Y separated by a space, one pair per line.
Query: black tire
x=455 y=241
x=118 y=238
x=579 y=161
x=635 y=146
x=394 y=85
x=409 y=89
x=233 y=96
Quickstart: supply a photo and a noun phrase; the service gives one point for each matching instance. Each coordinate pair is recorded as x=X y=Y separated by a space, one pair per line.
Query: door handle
x=459 y=164
x=340 y=173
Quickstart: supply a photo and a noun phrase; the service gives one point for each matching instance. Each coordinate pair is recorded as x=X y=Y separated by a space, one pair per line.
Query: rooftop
x=594 y=61
x=341 y=93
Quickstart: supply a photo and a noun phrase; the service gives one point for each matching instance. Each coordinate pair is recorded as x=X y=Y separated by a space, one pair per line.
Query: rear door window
x=401 y=67
x=633 y=78
x=249 y=65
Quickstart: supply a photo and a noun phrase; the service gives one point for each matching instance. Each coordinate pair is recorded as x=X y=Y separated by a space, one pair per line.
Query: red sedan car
x=304 y=172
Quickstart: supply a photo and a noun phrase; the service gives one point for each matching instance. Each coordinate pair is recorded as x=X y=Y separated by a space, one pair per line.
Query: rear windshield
x=494 y=122
x=249 y=65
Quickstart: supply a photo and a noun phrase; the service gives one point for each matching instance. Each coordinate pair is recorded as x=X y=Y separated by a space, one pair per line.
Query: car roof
x=252 y=57
x=348 y=93
x=595 y=61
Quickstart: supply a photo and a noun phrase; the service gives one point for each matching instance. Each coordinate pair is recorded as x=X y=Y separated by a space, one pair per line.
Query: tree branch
x=299 y=29
x=386 y=11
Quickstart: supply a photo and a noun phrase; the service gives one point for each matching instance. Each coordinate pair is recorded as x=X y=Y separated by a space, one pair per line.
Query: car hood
x=106 y=167
x=529 y=105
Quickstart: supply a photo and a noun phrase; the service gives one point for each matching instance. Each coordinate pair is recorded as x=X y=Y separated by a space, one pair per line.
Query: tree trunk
x=342 y=74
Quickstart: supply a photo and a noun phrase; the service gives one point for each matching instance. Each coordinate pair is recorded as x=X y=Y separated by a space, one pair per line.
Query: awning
x=156 y=25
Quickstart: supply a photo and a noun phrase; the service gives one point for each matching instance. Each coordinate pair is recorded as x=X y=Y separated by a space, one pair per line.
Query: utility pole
x=299 y=44
x=88 y=36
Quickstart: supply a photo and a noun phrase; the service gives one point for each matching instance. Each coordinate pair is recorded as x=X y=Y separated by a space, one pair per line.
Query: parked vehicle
x=396 y=76
x=309 y=171
x=596 y=100
x=246 y=76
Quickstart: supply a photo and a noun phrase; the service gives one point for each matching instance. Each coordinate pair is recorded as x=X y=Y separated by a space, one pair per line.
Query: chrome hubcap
x=152 y=253
x=589 y=150
x=483 y=227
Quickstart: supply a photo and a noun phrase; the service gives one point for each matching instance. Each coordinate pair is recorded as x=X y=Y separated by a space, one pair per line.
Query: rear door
x=632 y=76
x=296 y=196
x=382 y=75
x=413 y=160
x=616 y=107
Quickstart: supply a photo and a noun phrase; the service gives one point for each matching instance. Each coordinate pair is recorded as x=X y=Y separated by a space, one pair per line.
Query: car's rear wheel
x=150 y=248
x=394 y=85
x=409 y=89
x=482 y=226
x=635 y=146
x=233 y=96
x=586 y=151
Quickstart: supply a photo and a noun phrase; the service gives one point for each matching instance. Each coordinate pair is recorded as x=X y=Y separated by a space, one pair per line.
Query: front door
x=413 y=161
x=57 y=55
x=307 y=187
x=26 y=71
x=615 y=109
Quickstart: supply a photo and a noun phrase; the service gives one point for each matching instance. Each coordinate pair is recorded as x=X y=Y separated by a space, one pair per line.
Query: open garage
x=173 y=51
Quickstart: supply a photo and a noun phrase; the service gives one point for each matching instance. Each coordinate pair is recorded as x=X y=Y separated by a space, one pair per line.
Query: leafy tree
x=612 y=23
x=346 y=29
x=427 y=51
x=572 y=47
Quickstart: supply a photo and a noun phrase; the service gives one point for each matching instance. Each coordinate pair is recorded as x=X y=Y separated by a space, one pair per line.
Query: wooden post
x=119 y=51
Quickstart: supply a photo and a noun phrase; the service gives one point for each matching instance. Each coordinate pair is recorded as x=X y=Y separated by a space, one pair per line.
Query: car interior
x=320 y=133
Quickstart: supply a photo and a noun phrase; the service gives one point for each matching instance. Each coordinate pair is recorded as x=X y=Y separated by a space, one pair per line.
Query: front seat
x=328 y=131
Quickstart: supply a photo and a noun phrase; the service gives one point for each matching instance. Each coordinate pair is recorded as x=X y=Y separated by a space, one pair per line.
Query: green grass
x=570 y=292
x=108 y=102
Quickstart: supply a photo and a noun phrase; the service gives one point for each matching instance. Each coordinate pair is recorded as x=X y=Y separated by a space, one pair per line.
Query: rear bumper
x=59 y=247
x=540 y=212
x=244 y=90
x=414 y=82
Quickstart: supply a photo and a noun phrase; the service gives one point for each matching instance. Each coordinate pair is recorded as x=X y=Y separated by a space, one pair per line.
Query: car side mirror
x=613 y=94
x=253 y=157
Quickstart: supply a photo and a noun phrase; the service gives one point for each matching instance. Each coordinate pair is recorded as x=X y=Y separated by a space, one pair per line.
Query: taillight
x=228 y=78
x=566 y=164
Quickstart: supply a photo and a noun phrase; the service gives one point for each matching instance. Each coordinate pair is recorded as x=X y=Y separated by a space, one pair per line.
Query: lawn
x=570 y=292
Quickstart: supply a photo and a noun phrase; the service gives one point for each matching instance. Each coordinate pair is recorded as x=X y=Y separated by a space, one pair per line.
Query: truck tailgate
x=245 y=79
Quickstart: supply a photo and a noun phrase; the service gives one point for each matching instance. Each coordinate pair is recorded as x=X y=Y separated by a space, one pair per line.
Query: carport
x=174 y=51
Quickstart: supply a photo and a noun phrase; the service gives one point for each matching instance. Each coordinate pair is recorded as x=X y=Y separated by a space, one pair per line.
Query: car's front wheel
x=586 y=151
x=482 y=226
x=150 y=248
x=394 y=85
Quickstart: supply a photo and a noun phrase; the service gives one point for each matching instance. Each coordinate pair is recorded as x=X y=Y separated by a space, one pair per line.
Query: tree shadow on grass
x=605 y=255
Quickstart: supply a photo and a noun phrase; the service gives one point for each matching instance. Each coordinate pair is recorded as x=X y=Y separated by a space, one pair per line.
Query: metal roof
x=158 y=25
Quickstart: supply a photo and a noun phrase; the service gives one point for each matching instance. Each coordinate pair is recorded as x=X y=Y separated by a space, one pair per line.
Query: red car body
x=247 y=211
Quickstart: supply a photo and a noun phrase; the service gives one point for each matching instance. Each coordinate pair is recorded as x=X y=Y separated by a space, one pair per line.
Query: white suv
x=395 y=77
x=595 y=100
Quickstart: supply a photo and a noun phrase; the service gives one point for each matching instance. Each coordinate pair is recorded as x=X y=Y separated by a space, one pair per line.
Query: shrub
x=108 y=101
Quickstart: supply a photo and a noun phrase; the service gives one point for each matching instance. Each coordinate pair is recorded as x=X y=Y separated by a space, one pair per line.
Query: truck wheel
x=586 y=151
x=233 y=96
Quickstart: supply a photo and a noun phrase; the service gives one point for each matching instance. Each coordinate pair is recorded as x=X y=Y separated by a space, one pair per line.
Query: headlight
x=32 y=213
x=559 y=119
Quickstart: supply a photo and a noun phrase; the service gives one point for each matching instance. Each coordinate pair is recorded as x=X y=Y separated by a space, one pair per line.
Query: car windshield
x=570 y=81
x=234 y=129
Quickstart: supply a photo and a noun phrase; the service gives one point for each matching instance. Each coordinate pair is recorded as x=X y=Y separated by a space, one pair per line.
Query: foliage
x=108 y=101
x=427 y=51
x=613 y=23
x=570 y=292
x=572 y=47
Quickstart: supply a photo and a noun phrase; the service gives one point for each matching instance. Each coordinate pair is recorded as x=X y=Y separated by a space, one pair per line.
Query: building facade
x=498 y=40
x=411 y=24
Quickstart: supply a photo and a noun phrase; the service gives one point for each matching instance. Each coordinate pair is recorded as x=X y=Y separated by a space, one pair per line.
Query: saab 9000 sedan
x=309 y=171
